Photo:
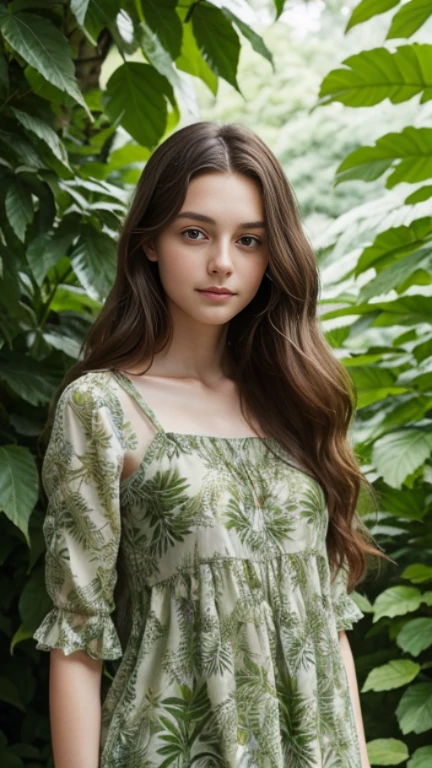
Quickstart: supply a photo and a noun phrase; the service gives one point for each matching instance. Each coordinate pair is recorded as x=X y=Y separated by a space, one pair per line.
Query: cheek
x=178 y=268
x=253 y=274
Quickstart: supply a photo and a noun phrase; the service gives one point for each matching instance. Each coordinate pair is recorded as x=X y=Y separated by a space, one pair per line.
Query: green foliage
x=376 y=314
x=378 y=74
x=70 y=154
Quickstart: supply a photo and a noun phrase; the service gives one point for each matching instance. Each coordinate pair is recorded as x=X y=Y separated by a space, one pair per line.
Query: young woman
x=203 y=490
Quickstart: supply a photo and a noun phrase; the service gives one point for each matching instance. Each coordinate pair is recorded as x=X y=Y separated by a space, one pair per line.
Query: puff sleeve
x=81 y=476
x=346 y=611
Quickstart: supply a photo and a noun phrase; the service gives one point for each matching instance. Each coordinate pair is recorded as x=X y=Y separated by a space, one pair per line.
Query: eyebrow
x=209 y=220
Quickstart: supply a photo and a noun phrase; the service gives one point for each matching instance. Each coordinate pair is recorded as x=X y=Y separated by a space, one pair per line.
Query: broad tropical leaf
x=414 y=711
x=217 y=40
x=134 y=90
x=19 y=485
x=392 y=675
x=397 y=454
x=371 y=76
x=409 y=153
x=397 y=601
x=415 y=636
x=44 y=47
x=409 y=18
x=386 y=751
x=367 y=9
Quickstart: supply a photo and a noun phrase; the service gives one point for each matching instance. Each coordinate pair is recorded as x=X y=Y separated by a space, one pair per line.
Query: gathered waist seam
x=221 y=560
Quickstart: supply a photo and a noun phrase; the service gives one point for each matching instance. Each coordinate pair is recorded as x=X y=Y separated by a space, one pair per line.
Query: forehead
x=228 y=196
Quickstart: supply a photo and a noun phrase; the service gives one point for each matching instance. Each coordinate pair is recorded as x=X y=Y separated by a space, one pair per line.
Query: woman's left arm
x=348 y=660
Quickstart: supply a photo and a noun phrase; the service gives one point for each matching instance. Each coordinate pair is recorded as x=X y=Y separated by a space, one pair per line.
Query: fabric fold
x=346 y=612
x=95 y=634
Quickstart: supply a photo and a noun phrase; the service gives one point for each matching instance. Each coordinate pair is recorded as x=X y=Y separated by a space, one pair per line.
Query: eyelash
x=195 y=229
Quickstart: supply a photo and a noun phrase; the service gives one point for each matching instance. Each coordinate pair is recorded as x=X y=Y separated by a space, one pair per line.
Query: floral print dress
x=233 y=655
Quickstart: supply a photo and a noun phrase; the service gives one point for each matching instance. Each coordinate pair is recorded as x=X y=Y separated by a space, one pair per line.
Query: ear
x=150 y=250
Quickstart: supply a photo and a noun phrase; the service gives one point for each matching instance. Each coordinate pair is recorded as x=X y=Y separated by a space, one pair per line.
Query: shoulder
x=94 y=396
x=99 y=387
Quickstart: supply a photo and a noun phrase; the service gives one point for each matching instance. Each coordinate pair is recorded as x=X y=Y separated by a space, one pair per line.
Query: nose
x=220 y=259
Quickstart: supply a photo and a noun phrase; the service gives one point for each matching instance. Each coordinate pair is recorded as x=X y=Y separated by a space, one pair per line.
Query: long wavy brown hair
x=287 y=374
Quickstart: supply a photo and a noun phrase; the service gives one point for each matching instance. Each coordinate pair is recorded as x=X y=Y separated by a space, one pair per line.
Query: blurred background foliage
x=341 y=91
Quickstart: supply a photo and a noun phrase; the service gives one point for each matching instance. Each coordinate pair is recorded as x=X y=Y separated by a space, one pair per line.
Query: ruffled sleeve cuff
x=346 y=612
x=96 y=634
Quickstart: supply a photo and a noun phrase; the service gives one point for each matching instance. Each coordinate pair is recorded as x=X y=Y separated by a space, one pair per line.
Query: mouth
x=215 y=295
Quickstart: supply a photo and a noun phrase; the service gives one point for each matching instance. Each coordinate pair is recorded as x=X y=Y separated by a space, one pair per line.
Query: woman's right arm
x=75 y=709
x=82 y=527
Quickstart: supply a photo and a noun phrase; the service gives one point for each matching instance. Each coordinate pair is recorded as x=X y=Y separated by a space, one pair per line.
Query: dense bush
x=376 y=310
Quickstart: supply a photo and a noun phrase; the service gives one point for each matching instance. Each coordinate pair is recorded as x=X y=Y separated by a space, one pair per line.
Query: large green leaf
x=417 y=573
x=19 y=485
x=413 y=408
x=396 y=273
x=407 y=310
x=386 y=751
x=44 y=132
x=79 y=8
x=74 y=298
x=392 y=675
x=415 y=636
x=279 y=4
x=47 y=248
x=411 y=150
x=397 y=454
x=397 y=601
x=27 y=378
x=422 y=758
x=374 y=384
x=190 y=59
x=411 y=504
x=17 y=146
x=93 y=261
x=137 y=94
x=161 y=17
x=34 y=602
x=40 y=85
x=424 y=193
x=19 y=207
x=217 y=40
x=373 y=75
x=366 y=9
x=127 y=154
x=394 y=242
x=255 y=40
x=44 y=47
x=95 y=15
x=161 y=60
x=410 y=18
x=414 y=711
x=64 y=343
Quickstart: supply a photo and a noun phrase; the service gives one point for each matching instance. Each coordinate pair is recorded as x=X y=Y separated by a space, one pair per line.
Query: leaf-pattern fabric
x=233 y=658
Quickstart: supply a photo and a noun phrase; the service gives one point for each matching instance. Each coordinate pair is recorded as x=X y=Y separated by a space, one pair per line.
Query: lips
x=221 y=292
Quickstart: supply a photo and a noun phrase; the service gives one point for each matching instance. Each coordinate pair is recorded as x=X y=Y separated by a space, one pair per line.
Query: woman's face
x=217 y=239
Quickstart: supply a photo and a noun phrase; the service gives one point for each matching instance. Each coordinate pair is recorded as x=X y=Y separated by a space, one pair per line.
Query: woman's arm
x=75 y=709
x=82 y=529
x=355 y=697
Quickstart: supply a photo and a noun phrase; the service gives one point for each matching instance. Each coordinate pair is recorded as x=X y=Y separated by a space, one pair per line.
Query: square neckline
x=134 y=392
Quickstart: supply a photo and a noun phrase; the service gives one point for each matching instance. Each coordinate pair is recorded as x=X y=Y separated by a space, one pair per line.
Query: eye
x=250 y=237
x=192 y=230
x=255 y=240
